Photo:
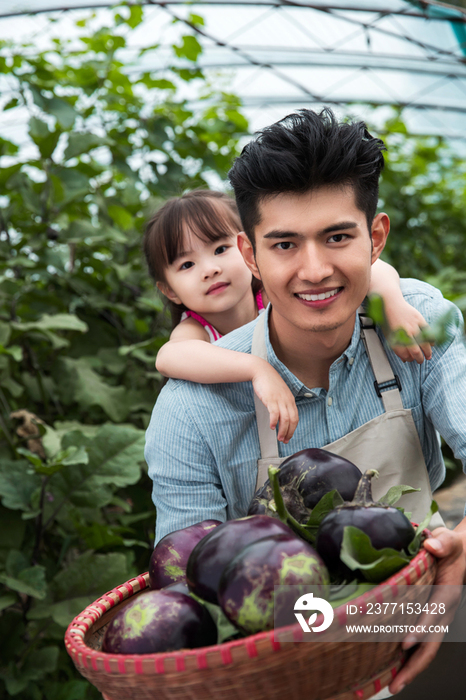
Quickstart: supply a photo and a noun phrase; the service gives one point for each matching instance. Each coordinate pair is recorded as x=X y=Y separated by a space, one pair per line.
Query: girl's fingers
x=427 y=350
x=415 y=353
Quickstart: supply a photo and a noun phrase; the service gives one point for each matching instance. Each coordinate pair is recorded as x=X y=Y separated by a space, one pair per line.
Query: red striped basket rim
x=86 y=657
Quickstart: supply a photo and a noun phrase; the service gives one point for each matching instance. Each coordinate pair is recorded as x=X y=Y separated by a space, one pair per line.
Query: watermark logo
x=308 y=602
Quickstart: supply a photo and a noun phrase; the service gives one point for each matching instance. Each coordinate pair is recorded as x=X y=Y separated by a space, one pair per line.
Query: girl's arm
x=189 y=355
x=385 y=281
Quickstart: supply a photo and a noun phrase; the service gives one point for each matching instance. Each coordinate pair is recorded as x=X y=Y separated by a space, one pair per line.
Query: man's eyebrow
x=340 y=226
x=283 y=234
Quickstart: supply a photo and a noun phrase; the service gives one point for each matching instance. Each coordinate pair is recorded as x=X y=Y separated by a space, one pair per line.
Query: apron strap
x=267 y=437
x=383 y=373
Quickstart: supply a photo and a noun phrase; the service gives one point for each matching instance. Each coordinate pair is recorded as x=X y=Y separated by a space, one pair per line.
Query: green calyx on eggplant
x=386 y=527
x=304 y=478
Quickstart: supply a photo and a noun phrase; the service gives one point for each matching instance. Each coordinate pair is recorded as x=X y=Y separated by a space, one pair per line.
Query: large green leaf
x=82 y=142
x=114 y=453
x=375 y=565
x=21 y=577
x=56 y=322
x=86 y=578
x=18 y=483
x=81 y=383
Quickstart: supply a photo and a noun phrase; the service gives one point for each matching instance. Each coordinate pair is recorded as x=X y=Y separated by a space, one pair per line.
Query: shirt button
x=329 y=401
x=351 y=360
x=308 y=395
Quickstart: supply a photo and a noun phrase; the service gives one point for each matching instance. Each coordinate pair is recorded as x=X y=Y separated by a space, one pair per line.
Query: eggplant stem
x=282 y=510
x=363 y=495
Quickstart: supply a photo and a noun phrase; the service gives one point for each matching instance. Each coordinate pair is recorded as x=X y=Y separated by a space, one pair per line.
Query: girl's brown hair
x=209 y=215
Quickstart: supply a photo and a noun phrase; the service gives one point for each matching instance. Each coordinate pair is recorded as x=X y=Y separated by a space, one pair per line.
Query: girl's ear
x=168 y=292
x=247 y=251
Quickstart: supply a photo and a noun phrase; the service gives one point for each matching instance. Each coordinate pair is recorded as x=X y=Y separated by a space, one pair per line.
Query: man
x=307 y=191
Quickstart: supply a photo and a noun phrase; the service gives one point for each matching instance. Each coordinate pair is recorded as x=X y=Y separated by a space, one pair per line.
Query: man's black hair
x=303 y=152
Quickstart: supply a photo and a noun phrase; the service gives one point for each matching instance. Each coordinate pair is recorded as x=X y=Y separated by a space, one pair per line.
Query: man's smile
x=319 y=295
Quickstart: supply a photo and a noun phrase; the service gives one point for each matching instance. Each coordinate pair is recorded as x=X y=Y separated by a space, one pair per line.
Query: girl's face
x=208 y=277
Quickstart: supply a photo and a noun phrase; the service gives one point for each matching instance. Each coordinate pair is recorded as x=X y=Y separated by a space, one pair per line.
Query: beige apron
x=389 y=443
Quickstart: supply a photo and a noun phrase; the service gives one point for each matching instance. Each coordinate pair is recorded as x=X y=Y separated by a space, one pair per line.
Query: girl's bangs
x=207 y=219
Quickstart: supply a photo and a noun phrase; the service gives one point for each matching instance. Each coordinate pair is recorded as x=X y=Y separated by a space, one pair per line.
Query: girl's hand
x=278 y=400
x=406 y=317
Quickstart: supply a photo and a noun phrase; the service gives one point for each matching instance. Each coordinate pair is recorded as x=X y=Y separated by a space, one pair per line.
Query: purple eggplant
x=247 y=593
x=386 y=527
x=170 y=556
x=159 y=621
x=210 y=556
x=304 y=478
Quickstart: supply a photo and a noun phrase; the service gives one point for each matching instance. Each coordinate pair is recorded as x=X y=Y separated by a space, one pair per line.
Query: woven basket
x=258 y=667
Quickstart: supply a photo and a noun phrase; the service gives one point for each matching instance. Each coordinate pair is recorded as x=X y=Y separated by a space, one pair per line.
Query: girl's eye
x=338 y=237
x=186 y=265
x=221 y=249
x=284 y=245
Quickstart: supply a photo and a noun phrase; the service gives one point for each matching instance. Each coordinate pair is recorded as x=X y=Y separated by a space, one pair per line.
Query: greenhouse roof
x=280 y=55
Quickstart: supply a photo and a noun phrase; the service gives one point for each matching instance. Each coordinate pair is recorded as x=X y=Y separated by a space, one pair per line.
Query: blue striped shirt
x=202 y=444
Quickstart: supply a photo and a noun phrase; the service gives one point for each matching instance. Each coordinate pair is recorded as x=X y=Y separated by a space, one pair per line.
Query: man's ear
x=380 y=230
x=247 y=251
x=168 y=292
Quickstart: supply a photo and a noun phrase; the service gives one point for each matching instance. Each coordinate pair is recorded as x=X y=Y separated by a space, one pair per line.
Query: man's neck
x=309 y=354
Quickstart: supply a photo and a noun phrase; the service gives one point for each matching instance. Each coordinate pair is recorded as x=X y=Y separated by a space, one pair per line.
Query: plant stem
x=282 y=510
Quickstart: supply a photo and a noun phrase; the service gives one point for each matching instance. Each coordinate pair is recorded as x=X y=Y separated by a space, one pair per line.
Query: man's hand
x=448 y=546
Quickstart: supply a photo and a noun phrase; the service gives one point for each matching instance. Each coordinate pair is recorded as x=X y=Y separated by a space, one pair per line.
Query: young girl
x=191 y=251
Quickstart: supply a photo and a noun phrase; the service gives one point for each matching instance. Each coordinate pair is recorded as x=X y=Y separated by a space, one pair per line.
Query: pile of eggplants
x=312 y=524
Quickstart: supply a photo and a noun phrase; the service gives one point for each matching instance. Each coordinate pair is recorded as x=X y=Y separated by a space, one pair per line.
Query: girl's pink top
x=213 y=332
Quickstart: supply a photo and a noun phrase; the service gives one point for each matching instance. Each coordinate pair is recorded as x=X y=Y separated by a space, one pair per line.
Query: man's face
x=314 y=256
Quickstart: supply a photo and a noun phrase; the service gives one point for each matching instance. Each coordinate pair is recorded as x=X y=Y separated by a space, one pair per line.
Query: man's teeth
x=318 y=297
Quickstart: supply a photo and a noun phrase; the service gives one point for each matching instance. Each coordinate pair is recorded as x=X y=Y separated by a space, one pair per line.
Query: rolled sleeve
x=187 y=487
x=444 y=385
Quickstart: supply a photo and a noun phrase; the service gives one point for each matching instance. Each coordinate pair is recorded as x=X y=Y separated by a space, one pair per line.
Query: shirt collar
x=294 y=384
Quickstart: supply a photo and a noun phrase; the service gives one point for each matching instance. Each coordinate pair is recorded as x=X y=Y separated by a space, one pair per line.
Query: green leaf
x=88 y=388
x=15 y=389
x=23 y=578
x=11 y=104
x=394 y=494
x=375 y=565
x=5 y=333
x=85 y=579
x=340 y=594
x=7 y=600
x=120 y=216
x=190 y=48
x=441 y=330
x=51 y=441
x=32 y=457
x=375 y=309
x=416 y=542
x=327 y=503
x=73 y=455
x=17 y=484
x=62 y=322
x=64 y=113
x=82 y=142
x=12 y=533
x=37 y=664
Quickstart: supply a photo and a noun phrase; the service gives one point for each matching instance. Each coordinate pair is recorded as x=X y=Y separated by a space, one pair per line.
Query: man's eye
x=338 y=237
x=284 y=245
x=221 y=249
x=186 y=265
